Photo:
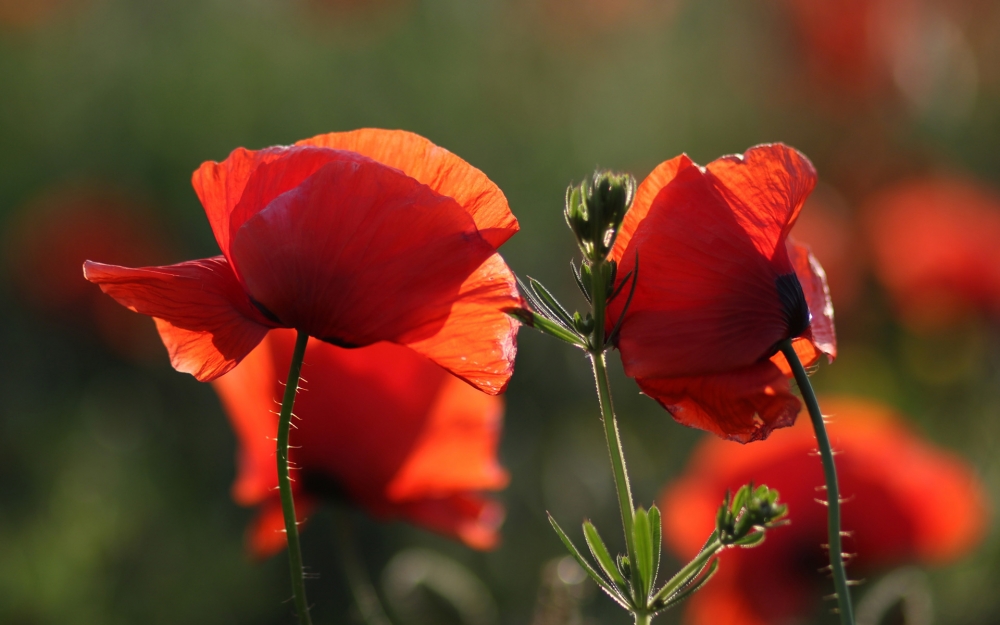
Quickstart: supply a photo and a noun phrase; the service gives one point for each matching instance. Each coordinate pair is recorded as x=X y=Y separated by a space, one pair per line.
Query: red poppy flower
x=55 y=232
x=380 y=425
x=906 y=501
x=935 y=248
x=719 y=287
x=353 y=238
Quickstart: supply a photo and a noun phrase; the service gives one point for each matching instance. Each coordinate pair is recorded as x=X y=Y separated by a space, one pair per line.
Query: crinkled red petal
x=359 y=253
x=766 y=187
x=435 y=167
x=743 y=405
x=205 y=319
x=706 y=300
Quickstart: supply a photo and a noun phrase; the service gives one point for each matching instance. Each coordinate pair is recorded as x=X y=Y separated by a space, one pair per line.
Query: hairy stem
x=285 y=483
x=832 y=489
x=608 y=412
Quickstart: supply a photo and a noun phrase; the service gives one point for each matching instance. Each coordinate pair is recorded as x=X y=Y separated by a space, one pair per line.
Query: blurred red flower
x=863 y=48
x=353 y=238
x=830 y=229
x=906 y=501
x=381 y=426
x=720 y=286
x=53 y=233
x=934 y=242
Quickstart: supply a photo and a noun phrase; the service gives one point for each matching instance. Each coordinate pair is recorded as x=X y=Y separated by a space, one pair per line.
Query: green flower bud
x=595 y=210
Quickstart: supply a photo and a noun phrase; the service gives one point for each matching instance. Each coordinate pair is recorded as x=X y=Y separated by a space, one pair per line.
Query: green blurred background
x=115 y=470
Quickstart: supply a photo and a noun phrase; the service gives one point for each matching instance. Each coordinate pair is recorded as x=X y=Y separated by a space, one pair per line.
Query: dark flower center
x=793 y=303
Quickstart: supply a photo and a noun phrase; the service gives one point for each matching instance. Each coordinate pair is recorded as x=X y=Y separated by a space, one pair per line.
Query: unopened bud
x=595 y=210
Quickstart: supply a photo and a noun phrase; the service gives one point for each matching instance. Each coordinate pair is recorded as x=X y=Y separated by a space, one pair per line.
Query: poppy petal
x=473 y=519
x=205 y=319
x=643 y=201
x=706 y=300
x=478 y=341
x=250 y=397
x=266 y=533
x=743 y=405
x=456 y=451
x=247 y=181
x=766 y=188
x=330 y=257
x=435 y=167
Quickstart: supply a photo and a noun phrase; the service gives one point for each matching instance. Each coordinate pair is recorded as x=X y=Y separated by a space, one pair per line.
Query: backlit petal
x=478 y=341
x=435 y=167
x=359 y=253
x=205 y=319
x=706 y=300
x=643 y=201
x=766 y=188
x=245 y=183
x=742 y=405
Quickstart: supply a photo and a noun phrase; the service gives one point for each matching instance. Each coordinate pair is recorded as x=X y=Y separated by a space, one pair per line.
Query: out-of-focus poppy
x=830 y=230
x=55 y=232
x=24 y=13
x=719 y=287
x=380 y=425
x=861 y=48
x=906 y=501
x=353 y=238
x=934 y=242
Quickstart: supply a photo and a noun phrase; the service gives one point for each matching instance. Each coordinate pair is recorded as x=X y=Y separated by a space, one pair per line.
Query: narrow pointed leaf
x=601 y=554
x=621 y=285
x=656 y=527
x=550 y=301
x=621 y=317
x=580 y=284
x=585 y=565
x=541 y=307
x=643 y=542
x=551 y=328
x=750 y=540
x=693 y=587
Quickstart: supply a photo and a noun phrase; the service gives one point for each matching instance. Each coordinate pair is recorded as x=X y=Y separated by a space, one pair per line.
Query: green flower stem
x=832 y=489
x=643 y=618
x=608 y=412
x=285 y=483
x=365 y=597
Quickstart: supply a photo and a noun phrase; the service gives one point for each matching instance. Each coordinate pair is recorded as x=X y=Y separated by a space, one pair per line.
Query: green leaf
x=613 y=336
x=656 y=526
x=750 y=540
x=579 y=282
x=691 y=588
x=601 y=554
x=643 y=542
x=550 y=301
x=585 y=565
x=551 y=328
